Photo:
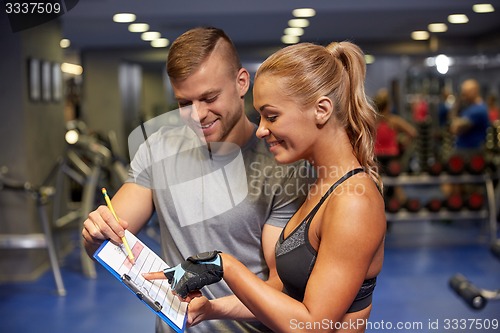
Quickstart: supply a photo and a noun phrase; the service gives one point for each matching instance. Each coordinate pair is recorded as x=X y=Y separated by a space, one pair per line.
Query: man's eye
x=211 y=99
x=185 y=104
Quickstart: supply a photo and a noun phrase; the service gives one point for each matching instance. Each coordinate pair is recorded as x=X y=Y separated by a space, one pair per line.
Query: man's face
x=212 y=99
x=468 y=92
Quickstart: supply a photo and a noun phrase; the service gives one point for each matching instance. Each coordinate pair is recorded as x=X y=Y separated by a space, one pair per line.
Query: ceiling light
x=483 y=8
x=71 y=68
x=303 y=12
x=124 y=18
x=150 y=35
x=288 y=39
x=298 y=23
x=160 y=42
x=442 y=63
x=369 y=59
x=430 y=61
x=294 y=31
x=437 y=27
x=458 y=18
x=64 y=43
x=420 y=35
x=138 y=27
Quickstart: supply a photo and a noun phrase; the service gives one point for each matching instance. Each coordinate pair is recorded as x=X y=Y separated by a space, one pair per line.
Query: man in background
x=472 y=121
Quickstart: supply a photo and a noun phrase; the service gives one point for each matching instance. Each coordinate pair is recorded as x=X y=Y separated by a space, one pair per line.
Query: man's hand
x=100 y=226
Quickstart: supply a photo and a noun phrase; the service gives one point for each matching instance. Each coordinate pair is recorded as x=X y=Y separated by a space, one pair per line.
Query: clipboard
x=157 y=294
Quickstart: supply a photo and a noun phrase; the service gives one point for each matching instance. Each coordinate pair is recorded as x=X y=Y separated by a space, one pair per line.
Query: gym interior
x=75 y=84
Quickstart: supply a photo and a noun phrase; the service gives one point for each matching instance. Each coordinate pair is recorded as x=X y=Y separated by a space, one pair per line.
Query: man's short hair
x=193 y=47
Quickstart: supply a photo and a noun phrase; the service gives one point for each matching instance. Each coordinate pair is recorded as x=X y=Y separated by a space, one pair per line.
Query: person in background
x=392 y=131
x=445 y=104
x=493 y=110
x=471 y=123
x=209 y=84
x=313 y=106
x=393 y=135
x=420 y=109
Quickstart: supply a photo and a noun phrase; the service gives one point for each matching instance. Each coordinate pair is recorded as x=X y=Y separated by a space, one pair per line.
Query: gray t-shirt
x=217 y=199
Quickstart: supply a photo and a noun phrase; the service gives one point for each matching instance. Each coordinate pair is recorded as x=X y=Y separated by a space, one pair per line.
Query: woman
x=389 y=128
x=313 y=106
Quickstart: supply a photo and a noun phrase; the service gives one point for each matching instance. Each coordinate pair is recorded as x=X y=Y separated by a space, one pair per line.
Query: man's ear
x=323 y=110
x=243 y=81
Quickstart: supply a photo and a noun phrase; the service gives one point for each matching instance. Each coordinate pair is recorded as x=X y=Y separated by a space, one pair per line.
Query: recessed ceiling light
x=369 y=59
x=138 y=27
x=303 y=12
x=420 y=35
x=483 y=8
x=124 y=18
x=458 y=18
x=160 y=42
x=294 y=31
x=437 y=27
x=71 y=68
x=64 y=43
x=298 y=23
x=288 y=39
x=150 y=35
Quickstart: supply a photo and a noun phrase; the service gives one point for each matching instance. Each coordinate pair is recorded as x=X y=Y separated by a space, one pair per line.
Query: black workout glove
x=195 y=273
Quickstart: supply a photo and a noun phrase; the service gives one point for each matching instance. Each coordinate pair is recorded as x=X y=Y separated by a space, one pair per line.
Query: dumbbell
x=476 y=164
x=475 y=201
x=393 y=168
x=393 y=205
x=467 y=291
x=434 y=205
x=454 y=202
x=455 y=165
x=413 y=205
x=435 y=168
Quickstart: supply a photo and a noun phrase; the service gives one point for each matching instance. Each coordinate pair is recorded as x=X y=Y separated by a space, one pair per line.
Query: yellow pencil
x=124 y=239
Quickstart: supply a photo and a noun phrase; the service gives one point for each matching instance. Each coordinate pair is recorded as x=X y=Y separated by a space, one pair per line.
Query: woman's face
x=289 y=129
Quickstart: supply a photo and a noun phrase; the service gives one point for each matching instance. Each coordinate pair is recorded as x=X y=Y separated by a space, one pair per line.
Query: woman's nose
x=262 y=130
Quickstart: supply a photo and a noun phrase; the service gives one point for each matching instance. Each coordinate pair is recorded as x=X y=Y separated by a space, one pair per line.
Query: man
x=472 y=121
x=193 y=182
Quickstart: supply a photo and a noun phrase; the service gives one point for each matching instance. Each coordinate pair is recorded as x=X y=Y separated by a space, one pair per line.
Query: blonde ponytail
x=360 y=116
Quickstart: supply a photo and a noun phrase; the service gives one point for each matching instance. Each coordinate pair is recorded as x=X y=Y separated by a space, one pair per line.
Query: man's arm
x=460 y=125
x=133 y=205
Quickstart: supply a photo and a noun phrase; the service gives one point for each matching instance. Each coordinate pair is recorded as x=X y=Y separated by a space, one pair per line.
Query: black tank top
x=295 y=257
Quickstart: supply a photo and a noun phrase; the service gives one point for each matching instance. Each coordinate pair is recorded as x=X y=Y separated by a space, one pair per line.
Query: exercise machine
x=89 y=163
x=41 y=194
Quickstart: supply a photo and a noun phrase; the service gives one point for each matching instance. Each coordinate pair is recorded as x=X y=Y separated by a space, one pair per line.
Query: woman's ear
x=323 y=110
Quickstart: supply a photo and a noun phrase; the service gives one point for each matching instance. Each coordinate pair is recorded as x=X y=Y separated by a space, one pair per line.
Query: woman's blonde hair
x=338 y=71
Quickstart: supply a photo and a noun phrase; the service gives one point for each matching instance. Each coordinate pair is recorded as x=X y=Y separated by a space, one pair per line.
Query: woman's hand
x=193 y=274
x=198 y=310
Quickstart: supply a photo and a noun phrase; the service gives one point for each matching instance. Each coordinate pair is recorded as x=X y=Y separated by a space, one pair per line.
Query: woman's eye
x=272 y=119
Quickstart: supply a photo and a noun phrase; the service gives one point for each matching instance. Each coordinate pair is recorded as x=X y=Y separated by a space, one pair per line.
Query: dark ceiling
x=256 y=26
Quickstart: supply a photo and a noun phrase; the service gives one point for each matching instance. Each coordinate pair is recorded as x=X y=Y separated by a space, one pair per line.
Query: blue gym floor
x=412 y=290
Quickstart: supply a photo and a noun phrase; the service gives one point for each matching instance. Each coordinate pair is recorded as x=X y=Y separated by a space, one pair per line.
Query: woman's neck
x=333 y=156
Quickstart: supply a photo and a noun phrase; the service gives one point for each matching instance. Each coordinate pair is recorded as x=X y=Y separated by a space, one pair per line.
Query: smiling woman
x=313 y=106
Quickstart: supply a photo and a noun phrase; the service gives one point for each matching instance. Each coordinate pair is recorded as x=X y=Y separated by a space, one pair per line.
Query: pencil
x=124 y=239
